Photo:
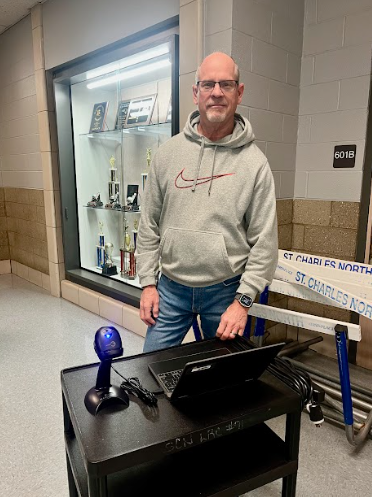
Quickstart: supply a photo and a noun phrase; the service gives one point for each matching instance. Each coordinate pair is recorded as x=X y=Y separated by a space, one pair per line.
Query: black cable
x=296 y=379
x=285 y=371
x=133 y=386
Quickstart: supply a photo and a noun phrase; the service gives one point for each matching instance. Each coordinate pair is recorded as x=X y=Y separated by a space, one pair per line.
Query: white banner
x=307 y=321
x=334 y=268
x=300 y=292
x=334 y=294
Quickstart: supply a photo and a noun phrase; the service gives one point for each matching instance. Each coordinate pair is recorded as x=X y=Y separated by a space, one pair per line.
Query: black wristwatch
x=245 y=300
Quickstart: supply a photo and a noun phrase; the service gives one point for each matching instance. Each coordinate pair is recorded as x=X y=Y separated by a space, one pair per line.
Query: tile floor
x=40 y=335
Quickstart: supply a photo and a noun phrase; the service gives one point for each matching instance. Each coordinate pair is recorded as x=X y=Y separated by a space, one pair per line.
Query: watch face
x=246 y=301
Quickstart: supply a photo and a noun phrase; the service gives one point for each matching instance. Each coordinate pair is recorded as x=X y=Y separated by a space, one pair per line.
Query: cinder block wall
x=4 y=242
x=27 y=228
x=265 y=39
x=22 y=215
x=335 y=85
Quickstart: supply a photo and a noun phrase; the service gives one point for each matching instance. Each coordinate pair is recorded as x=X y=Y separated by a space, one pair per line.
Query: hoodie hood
x=242 y=133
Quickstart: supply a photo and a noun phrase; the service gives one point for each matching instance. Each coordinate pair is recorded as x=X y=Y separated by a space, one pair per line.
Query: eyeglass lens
x=225 y=86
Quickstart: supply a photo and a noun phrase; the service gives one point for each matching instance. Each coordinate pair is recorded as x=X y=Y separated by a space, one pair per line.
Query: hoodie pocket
x=195 y=257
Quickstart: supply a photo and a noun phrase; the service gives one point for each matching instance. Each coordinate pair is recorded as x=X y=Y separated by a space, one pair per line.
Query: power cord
x=133 y=386
x=311 y=394
x=298 y=380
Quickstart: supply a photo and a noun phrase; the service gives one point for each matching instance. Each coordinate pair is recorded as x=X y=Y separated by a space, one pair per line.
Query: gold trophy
x=128 y=263
x=145 y=174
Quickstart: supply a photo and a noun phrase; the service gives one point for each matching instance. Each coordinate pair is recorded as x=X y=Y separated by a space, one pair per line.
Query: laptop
x=204 y=372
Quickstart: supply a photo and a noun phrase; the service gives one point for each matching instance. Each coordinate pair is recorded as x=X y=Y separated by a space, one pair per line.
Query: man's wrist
x=244 y=300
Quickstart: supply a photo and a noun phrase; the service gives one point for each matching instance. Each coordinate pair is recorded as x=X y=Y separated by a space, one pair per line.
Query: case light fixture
x=130 y=74
x=129 y=61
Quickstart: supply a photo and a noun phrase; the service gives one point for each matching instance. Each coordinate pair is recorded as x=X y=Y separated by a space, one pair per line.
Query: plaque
x=98 y=121
x=140 y=110
x=344 y=156
x=132 y=198
x=121 y=116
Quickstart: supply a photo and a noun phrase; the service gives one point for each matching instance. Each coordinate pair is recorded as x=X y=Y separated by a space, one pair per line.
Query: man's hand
x=233 y=321
x=149 y=305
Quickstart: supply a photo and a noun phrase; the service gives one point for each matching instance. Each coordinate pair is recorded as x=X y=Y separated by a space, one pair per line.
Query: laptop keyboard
x=170 y=379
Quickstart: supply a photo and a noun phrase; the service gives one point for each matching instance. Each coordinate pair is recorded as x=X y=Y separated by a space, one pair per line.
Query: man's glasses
x=226 y=86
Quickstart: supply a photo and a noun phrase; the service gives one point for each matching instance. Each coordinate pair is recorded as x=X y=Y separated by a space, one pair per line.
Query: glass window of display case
x=121 y=112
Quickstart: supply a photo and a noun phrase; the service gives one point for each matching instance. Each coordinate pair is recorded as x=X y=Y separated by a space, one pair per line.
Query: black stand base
x=109 y=270
x=95 y=400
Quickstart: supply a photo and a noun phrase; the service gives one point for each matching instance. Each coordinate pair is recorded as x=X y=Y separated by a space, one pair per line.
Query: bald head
x=215 y=61
x=217 y=103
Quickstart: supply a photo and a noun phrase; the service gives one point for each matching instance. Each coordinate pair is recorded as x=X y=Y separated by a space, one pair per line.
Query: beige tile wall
x=4 y=241
x=48 y=151
x=26 y=225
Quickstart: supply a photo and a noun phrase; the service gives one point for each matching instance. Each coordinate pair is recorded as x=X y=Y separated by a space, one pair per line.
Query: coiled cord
x=296 y=379
x=134 y=387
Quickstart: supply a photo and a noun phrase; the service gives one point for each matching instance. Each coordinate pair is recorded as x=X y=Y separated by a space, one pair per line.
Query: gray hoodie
x=209 y=211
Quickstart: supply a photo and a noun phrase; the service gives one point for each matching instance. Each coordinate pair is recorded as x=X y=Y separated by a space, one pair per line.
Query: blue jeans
x=178 y=305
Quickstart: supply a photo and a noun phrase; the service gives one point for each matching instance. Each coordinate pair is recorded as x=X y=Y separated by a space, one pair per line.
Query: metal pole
x=195 y=327
x=259 y=327
x=343 y=367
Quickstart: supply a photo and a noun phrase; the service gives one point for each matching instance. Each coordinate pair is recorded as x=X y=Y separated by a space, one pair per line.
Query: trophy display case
x=120 y=113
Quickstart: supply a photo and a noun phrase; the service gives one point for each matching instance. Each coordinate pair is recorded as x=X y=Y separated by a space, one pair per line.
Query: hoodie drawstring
x=199 y=164
x=214 y=158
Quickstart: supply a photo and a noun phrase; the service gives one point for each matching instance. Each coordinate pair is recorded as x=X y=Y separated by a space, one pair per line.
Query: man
x=209 y=217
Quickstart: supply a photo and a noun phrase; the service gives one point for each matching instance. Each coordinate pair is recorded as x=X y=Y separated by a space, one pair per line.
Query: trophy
x=135 y=232
x=109 y=267
x=101 y=246
x=114 y=184
x=145 y=174
x=113 y=202
x=96 y=201
x=128 y=263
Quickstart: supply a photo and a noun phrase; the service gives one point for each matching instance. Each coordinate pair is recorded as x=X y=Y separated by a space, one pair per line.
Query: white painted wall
x=265 y=39
x=335 y=79
x=73 y=28
x=20 y=160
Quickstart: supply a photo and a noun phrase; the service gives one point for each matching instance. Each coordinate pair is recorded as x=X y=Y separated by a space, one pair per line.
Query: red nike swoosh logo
x=182 y=182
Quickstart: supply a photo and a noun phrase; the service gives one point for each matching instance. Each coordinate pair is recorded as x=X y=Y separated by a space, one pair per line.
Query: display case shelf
x=116 y=134
x=112 y=210
x=135 y=282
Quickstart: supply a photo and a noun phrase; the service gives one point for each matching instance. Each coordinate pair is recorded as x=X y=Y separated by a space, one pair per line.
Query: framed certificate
x=98 y=121
x=140 y=110
x=121 y=116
